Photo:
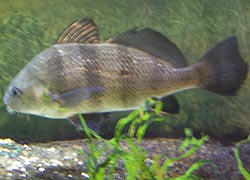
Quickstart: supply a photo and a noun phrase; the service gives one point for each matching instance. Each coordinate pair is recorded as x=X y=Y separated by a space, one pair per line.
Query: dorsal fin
x=153 y=43
x=81 y=31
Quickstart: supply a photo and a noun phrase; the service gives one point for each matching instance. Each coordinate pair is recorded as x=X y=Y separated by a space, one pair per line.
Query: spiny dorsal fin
x=153 y=43
x=81 y=31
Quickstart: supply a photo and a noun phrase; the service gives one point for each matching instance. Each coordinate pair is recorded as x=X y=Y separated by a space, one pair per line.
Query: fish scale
x=111 y=63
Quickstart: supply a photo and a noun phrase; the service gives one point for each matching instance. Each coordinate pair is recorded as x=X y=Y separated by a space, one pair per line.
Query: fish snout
x=6 y=99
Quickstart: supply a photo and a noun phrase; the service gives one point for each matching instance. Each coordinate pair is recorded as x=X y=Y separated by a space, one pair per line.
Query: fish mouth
x=6 y=101
x=10 y=110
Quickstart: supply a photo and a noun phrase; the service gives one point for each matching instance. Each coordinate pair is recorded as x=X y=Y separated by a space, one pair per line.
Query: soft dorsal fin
x=153 y=43
x=81 y=31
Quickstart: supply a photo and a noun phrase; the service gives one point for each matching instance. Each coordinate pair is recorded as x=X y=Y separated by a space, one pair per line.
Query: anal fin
x=170 y=105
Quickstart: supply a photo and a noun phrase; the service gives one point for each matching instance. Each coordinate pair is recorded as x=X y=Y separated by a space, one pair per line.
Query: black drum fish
x=81 y=75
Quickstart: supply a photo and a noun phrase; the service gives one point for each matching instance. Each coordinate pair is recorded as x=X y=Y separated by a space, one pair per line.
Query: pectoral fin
x=76 y=96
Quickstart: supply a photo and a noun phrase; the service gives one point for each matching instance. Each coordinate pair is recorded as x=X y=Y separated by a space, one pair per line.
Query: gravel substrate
x=60 y=160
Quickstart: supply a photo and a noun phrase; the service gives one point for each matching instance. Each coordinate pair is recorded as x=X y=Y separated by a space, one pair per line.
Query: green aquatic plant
x=241 y=168
x=134 y=156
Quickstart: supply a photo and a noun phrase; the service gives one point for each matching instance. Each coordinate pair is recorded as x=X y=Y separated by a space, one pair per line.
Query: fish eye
x=16 y=92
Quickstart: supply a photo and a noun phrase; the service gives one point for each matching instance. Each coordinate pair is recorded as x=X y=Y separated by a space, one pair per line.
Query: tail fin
x=222 y=69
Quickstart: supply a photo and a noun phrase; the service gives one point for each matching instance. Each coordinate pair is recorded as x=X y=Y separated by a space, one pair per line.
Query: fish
x=79 y=74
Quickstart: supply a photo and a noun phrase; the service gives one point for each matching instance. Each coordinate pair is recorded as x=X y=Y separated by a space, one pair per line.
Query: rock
x=60 y=160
